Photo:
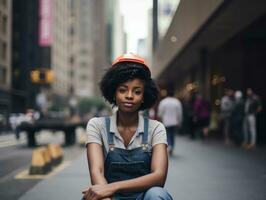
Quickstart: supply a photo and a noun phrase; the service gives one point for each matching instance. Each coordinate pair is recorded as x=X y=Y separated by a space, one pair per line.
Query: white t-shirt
x=170 y=111
x=96 y=132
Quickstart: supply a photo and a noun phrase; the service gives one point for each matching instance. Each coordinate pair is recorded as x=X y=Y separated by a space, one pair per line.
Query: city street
x=196 y=66
x=15 y=157
x=198 y=170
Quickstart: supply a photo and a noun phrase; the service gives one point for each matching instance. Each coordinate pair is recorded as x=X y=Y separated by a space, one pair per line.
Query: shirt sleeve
x=94 y=131
x=159 y=134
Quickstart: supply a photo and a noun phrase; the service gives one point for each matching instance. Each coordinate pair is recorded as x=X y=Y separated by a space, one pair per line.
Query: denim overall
x=121 y=164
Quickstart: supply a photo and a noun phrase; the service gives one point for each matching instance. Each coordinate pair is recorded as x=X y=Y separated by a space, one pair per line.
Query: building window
x=4 y=3
x=71 y=31
x=83 y=77
x=16 y=55
x=3 y=49
x=4 y=24
x=83 y=64
x=2 y=75
x=71 y=73
x=72 y=60
x=1 y=19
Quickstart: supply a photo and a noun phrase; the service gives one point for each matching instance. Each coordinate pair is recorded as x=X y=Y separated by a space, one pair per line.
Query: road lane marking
x=25 y=173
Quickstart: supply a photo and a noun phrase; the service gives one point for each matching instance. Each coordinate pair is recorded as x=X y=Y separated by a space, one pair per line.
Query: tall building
x=119 y=36
x=149 y=38
x=73 y=44
x=166 y=11
x=99 y=42
x=5 y=58
x=91 y=49
x=41 y=51
x=83 y=72
x=109 y=15
x=31 y=51
x=61 y=46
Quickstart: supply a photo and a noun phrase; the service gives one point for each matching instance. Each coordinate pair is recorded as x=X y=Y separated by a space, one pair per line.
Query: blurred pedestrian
x=188 y=115
x=14 y=121
x=227 y=103
x=237 y=118
x=170 y=112
x=252 y=107
x=202 y=111
x=127 y=153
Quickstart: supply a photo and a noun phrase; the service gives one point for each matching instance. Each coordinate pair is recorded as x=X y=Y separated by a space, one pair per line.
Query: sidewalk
x=65 y=185
x=198 y=170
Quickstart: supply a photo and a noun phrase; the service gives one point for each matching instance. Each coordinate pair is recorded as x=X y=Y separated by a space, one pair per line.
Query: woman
x=127 y=153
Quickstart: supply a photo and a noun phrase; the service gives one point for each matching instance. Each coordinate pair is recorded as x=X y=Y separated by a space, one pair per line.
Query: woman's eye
x=138 y=92
x=121 y=90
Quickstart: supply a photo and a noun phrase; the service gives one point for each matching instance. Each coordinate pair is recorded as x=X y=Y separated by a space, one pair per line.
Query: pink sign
x=45 y=22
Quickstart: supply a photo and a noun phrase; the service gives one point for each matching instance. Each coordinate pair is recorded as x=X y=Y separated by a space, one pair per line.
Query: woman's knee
x=155 y=193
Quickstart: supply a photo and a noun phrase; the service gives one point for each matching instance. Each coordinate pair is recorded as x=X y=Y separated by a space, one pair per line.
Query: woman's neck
x=127 y=119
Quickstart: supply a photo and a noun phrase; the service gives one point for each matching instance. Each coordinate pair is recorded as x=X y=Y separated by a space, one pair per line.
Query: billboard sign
x=45 y=22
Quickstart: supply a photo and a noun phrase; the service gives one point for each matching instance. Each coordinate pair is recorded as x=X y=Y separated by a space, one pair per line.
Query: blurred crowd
x=195 y=116
x=239 y=117
x=15 y=119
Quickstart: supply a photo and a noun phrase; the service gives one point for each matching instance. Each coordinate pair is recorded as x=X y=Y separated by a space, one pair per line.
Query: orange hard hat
x=130 y=57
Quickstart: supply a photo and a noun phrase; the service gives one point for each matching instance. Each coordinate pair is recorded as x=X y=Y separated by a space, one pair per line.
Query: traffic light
x=42 y=76
x=35 y=76
x=49 y=76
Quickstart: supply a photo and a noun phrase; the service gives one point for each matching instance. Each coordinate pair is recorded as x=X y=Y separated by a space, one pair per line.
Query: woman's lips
x=128 y=104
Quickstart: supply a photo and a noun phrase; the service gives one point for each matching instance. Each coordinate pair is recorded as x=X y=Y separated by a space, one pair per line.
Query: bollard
x=41 y=161
x=82 y=141
x=55 y=153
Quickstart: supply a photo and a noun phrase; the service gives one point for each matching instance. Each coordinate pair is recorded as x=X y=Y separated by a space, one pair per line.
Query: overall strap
x=146 y=130
x=109 y=134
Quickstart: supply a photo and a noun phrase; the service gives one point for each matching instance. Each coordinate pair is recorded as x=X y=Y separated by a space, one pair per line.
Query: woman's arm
x=157 y=177
x=96 y=168
x=96 y=163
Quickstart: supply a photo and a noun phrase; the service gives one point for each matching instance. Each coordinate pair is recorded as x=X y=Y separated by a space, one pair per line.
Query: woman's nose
x=129 y=95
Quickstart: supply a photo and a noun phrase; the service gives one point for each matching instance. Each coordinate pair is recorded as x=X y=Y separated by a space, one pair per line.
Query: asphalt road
x=15 y=157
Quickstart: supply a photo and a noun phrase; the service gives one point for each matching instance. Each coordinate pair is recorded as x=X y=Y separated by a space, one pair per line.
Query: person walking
x=170 y=112
x=127 y=152
x=188 y=124
x=237 y=118
x=227 y=103
x=202 y=112
x=252 y=107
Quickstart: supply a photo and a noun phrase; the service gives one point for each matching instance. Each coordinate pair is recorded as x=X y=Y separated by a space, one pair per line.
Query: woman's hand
x=96 y=192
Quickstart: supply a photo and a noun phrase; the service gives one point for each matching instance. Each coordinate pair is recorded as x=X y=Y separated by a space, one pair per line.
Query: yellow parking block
x=55 y=152
x=41 y=161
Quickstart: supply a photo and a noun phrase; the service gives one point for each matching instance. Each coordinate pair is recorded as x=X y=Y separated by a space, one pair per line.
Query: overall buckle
x=144 y=146
x=111 y=147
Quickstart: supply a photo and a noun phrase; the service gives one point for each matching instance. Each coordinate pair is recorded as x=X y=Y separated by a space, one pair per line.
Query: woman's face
x=129 y=95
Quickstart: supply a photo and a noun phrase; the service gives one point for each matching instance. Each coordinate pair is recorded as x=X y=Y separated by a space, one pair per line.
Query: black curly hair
x=124 y=71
